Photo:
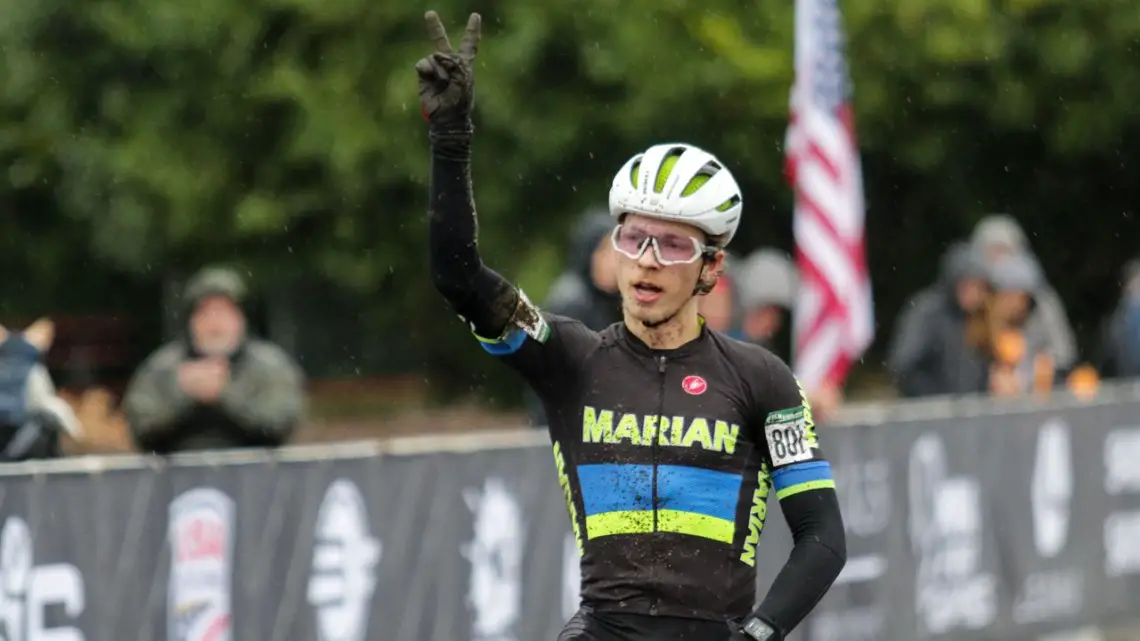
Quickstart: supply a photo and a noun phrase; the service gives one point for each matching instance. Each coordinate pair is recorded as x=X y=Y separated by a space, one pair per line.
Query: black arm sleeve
x=482 y=297
x=819 y=554
x=810 y=505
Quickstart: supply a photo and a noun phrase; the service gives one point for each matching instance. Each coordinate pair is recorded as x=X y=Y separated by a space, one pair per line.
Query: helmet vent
x=702 y=177
x=666 y=168
x=729 y=204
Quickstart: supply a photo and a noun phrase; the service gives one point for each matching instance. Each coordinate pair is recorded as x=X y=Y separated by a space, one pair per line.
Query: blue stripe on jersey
x=798 y=473
x=612 y=487
x=697 y=490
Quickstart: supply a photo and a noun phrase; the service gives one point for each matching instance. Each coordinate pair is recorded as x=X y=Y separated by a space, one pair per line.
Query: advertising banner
x=987 y=528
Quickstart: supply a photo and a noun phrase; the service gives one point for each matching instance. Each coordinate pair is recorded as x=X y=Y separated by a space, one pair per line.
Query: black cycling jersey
x=666 y=457
x=587 y=625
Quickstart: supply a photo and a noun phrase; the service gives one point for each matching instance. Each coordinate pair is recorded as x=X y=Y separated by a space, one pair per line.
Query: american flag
x=834 y=318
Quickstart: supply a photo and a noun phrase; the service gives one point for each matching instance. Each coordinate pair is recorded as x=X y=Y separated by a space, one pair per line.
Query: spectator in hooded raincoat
x=766 y=284
x=929 y=352
x=1013 y=340
x=1000 y=236
x=216 y=386
x=587 y=289
x=1120 y=341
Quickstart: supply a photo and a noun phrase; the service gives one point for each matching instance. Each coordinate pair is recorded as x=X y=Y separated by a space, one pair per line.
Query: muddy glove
x=447 y=78
x=754 y=628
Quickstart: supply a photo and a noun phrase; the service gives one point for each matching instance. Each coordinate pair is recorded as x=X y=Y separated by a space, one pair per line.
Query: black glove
x=754 y=628
x=447 y=78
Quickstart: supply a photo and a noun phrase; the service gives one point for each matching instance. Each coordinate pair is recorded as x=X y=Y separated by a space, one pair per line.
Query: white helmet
x=680 y=182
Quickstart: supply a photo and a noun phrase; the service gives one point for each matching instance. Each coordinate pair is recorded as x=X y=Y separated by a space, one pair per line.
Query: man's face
x=652 y=292
x=996 y=252
x=763 y=323
x=971 y=293
x=217 y=326
x=603 y=266
x=1012 y=307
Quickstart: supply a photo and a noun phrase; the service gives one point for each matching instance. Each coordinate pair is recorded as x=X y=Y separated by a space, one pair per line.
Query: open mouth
x=646 y=292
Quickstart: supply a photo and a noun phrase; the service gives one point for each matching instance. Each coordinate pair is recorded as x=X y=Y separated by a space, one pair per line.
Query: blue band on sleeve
x=509 y=344
x=801 y=477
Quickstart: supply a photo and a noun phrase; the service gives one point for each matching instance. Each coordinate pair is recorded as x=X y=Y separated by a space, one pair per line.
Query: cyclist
x=667 y=436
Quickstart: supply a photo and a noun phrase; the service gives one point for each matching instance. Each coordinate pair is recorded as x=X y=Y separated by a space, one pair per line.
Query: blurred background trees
x=142 y=138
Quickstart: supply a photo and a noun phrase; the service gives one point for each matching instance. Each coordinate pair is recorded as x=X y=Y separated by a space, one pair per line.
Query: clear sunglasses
x=669 y=249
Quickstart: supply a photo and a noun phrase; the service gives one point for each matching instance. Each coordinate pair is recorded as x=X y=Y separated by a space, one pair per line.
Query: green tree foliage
x=152 y=135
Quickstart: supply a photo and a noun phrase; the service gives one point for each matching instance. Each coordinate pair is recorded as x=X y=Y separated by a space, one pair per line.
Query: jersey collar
x=639 y=347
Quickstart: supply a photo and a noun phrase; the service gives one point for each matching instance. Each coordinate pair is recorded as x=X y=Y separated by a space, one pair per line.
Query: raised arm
x=486 y=300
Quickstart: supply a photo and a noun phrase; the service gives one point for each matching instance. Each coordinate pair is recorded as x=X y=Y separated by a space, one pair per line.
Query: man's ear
x=715 y=268
x=710 y=273
x=41 y=334
x=718 y=264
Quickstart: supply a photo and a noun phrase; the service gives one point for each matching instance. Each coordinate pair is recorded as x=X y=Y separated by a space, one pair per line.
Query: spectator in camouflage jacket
x=215 y=387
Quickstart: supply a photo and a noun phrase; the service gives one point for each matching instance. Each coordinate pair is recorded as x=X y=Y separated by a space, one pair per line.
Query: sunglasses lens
x=677 y=249
x=630 y=242
x=668 y=249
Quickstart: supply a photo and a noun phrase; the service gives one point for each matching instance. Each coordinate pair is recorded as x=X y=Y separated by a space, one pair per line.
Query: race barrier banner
x=982 y=527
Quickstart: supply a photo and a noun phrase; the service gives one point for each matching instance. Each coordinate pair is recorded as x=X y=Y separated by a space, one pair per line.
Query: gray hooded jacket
x=928 y=354
x=1049 y=312
x=1020 y=273
x=1120 y=341
x=574 y=294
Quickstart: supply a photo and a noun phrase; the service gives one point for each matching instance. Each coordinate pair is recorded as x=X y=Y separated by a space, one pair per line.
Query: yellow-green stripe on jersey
x=802 y=477
x=618 y=499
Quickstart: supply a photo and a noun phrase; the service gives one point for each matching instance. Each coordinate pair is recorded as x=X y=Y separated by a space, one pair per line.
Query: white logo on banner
x=1057 y=593
x=496 y=561
x=571 y=577
x=1122 y=555
x=864 y=492
x=1122 y=528
x=1052 y=489
x=26 y=589
x=344 y=565
x=198 y=604
x=952 y=589
x=1121 y=452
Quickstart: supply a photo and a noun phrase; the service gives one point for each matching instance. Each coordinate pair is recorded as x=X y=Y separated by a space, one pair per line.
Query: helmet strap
x=703 y=287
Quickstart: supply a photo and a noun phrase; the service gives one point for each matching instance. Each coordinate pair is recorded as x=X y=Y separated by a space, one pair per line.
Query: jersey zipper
x=653 y=448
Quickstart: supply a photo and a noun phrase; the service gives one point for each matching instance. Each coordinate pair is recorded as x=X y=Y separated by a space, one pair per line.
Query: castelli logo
x=694 y=385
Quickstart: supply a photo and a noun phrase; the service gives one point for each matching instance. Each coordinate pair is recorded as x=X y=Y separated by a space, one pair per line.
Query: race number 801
x=788 y=443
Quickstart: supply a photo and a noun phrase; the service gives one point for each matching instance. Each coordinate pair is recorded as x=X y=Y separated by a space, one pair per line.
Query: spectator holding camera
x=215 y=387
